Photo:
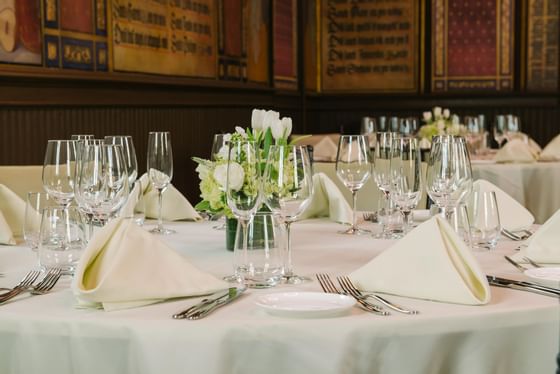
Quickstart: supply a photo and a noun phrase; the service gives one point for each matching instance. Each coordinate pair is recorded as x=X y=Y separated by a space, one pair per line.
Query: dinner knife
x=523 y=286
x=208 y=305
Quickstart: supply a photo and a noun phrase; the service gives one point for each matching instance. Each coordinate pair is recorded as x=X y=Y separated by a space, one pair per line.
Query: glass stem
x=241 y=259
x=288 y=272
x=407 y=220
x=160 y=203
x=354 y=216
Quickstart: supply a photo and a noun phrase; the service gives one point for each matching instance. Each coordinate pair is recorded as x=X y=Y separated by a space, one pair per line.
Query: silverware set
x=26 y=284
x=349 y=289
x=207 y=305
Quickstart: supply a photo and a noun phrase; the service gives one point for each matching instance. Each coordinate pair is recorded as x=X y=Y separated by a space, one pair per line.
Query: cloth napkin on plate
x=175 y=206
x=325 y=146
x=552 y=150
x=327 y=201
x=516 y=151
x=544 y=244
x=12 y=212
x=125 y=266
x=513 y=215
x=432 y=263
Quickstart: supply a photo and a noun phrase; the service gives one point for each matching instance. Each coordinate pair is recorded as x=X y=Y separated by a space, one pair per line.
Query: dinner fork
x=515 y=263
x=41 y=288
x=26 y=282
x=328 y=287
x=349 y=287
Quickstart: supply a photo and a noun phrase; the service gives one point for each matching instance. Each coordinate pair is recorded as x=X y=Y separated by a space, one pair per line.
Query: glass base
x=162 y=231
x=295 y=279
x=355 y=231
x=233 y=278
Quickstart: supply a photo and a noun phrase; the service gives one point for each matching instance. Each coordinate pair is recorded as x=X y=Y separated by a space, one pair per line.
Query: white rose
x=257 y=119
x=427 y=116
x=446 y=113
x=202 y=171
x=241 y=131
x=287 y=125
x=236 y=175
x=270 y=117
x=437 y=111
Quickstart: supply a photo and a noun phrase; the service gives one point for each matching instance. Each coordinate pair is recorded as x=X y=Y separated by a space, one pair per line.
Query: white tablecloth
x=518 y=332
x=534 y=185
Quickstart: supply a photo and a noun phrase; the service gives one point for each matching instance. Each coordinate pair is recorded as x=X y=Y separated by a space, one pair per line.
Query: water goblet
x=243 y=196
x=287 y=188
x=35 y=204
x=59 y=170
x=160 y=171
x=353 y=168
x=485 y=223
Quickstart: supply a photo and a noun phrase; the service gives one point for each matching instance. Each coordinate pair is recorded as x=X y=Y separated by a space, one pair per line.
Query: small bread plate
x=549 y=277
x=305 y=304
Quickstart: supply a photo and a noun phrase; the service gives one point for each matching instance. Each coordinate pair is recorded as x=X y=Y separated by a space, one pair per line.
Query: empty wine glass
x=406 y=177
x=242 y=195
x=160 y=171
x=35 y=204
x=500 y=130
x=79 y=137
x=59 y=171
x=382 y=172
x=102 y=181
x=408 y=126
x=449 y=175
x=287 y=189
x=485 y=222
x=353 y=168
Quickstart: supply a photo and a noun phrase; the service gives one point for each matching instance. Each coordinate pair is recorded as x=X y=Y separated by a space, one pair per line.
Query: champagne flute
x=160 y=171
x=382 y=172
x=287 y=189
x=59 y=171
x=243 y=196
x=353 y=168
x=406 y=176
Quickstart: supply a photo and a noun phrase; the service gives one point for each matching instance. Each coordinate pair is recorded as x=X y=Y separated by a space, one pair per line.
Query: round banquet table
x=517 y=332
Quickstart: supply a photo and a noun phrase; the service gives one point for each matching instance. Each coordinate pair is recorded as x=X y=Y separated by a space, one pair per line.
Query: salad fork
x=47 y=283
x=349 y=287
x=328 y=287
x=22 y=286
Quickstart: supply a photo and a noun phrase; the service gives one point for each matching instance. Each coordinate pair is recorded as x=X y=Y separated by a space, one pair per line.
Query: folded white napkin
x=432 y=262
x=125 y=266
x=324 y=146
x=175 y=206
x=327 y=201
x=544 y=244
x=12 y=212
x=552 y=150
x=516 y=151
x=513 y=215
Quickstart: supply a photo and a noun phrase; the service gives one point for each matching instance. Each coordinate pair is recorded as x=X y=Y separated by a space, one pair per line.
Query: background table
x=517 y=332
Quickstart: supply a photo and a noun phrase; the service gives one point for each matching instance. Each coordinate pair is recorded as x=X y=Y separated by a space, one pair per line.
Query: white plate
x=546 y=276
x=305 y=304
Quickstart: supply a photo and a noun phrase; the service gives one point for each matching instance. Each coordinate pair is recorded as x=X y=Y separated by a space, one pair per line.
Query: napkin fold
x=12 y=212
x=175 y=206
x=544 y=244
x=513 y=215
x=125 y=266
x=325 y=146
x=432 y=262
x=516 y=151
x=551 y=151
x=327 y=201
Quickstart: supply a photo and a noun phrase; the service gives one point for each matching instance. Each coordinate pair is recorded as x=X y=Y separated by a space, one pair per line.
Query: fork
x=47 y=283
x=328 y=287
x=511 y=235
x=349 y=287
x=26 y=282
x=532 y=262
x=515 y=263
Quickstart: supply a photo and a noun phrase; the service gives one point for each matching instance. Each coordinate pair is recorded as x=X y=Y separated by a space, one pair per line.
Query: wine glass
x=353 y=168
x=220 y=147
x=160 y=171
x=406 y=177
x=36 y=203
x=449 y=175
x=59 y=171
x=79 y=137
x=382 y=172
x=287 y=189
x=408 y=126
x=243 y=196
x=500 y=130
x=102 y=181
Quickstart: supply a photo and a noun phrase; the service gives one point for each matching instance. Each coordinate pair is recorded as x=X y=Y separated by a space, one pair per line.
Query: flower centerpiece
x=267 y=128
x=439 y=122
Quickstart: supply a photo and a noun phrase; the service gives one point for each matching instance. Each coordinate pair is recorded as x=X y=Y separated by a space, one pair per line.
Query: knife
x=206 y=306
x=523 y=286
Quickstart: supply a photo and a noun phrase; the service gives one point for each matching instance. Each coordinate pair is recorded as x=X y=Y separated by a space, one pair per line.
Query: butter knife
x=206 y=306
x=523 y=286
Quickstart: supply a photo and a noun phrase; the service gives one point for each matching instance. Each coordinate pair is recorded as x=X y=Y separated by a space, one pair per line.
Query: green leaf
x=202 y=206
x=268 y=140
x=296 y=139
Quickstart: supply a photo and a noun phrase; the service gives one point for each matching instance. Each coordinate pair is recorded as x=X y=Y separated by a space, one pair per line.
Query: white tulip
x=277 y=129
x=241 y=131
x=446 y=113
x=455 y=119
x=257 y=119
x=440 y=125
x=270 y=117
x=427 y=116
x=236 y=176
x=437 y=111
x=227 y=137
x=287 y=125
x=202 y=171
